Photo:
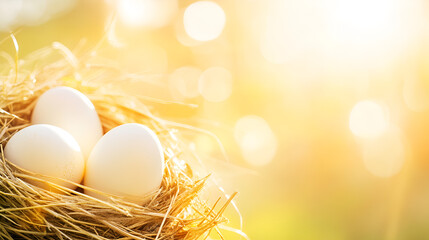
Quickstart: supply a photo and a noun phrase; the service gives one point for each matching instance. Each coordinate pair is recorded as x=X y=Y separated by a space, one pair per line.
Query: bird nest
x=175 y=211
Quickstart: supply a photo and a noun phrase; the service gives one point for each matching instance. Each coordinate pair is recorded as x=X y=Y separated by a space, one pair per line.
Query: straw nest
x=175 y=211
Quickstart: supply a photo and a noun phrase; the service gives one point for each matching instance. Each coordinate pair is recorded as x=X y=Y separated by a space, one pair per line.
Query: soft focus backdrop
x=322 y=106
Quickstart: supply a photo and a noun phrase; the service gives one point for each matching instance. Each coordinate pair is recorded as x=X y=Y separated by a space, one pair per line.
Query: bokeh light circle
x=368 y=119
x=146 y=13
x=257 y=141
x=215 y=84
x=204 y=20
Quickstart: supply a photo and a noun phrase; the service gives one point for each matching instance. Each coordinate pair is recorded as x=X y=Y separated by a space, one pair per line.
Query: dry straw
x=176 y=211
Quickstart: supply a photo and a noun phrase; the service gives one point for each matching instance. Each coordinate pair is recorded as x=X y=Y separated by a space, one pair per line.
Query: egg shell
x=47 y=150
x=128 y=161
x=72 y=111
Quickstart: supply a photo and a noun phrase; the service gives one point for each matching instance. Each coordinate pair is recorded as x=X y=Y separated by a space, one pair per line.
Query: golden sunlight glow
x=146 y=13
x=368 y=119
x=355 y=35
x=367 y=32
x=364 y=19
x=185 y=80
x=215 y=84
x=371 y=33
x=384 y=156
x=301 y=106
x=204 y=20
x=257 y=141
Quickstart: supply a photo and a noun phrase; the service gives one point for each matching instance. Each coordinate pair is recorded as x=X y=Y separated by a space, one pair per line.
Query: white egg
x=47 y=150
x=72 y=111
x=128 y=161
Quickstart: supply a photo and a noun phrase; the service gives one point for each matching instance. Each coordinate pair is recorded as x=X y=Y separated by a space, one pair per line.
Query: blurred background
x=322 y=106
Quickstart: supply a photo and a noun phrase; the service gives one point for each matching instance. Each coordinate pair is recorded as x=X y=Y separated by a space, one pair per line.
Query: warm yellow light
x=257 y=141
x=385 y=155
x=215 y=84
x=204 y=20
x=368 y=119
x=371 y=33
x=364 y=19
x=146 y=13
x=185 y=81
x=338 y=36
